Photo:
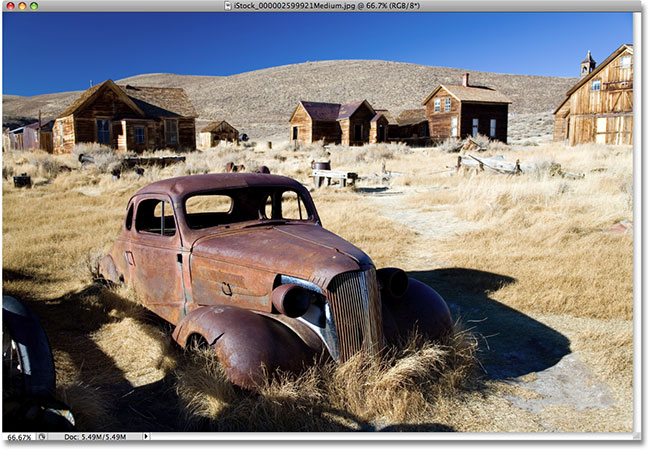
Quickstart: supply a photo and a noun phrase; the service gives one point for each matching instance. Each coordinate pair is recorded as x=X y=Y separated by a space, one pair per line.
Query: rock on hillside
x=261 y=102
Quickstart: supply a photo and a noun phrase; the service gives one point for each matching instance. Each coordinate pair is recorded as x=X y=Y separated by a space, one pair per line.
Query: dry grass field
x=541 y=291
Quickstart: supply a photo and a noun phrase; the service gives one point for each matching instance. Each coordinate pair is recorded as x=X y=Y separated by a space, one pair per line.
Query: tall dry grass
x=406 y=385
x=545 y=232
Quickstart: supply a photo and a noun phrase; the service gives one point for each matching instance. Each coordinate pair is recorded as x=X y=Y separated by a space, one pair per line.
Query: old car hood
x=306 y=251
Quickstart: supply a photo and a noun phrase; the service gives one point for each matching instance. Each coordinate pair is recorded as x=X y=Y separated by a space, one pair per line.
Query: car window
x=212 y=209
x=129 y=218
x=208 y=210
x=292 y=207
x=155 y=216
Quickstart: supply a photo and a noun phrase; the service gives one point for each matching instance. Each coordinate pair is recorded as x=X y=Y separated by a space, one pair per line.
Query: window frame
x=103 y=132
x=475 y=127
x=447 y=104
x=137 y=141
x=454 y=130
x=437 y=105
x=144 y=232
x=492 y=128
x=596 y=85
x=171 y=131
x=625 y=62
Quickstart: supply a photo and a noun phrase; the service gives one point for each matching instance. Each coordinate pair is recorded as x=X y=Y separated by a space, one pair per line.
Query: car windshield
x=229 y=206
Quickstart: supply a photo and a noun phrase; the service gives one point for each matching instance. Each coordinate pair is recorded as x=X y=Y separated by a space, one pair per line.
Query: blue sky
x=56 y=52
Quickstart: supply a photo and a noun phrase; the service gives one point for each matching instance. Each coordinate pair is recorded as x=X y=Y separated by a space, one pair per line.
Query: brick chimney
x=465 y=80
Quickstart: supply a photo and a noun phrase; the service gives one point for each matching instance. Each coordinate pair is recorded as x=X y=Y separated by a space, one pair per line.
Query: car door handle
x=225 y=287
x=129 y=258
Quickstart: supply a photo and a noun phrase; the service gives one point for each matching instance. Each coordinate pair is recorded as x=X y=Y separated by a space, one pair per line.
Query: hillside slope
x=261 y=102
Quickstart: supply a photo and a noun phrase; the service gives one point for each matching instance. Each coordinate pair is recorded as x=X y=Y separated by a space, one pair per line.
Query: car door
x=156 y=258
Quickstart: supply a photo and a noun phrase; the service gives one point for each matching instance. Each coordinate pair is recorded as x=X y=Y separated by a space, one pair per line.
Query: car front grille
x=356 y=306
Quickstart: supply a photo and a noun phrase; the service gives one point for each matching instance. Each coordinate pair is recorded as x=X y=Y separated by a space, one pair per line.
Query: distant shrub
x=450 y=145
x=481 y=140
x=105 y=157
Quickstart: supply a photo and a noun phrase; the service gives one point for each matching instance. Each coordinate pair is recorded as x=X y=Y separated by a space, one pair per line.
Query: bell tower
x=587 y=66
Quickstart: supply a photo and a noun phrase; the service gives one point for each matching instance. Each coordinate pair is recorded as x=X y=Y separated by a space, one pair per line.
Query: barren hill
x=261 y=102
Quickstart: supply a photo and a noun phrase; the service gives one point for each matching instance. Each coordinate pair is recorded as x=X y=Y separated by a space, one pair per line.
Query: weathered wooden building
x=599 y=108
x=215 y=132
x=35 y=136
x=128 y=118
x=413 y=128
x=332 y=123
x=465 y=110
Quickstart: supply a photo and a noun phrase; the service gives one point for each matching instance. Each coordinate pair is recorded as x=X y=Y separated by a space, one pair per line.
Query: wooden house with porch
x=332 y=123
x=215 y=132
x=128 y=118
x=599 y=108
x=466 y=110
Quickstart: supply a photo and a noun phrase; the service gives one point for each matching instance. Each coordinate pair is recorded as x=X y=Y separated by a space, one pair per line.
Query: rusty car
x=241 y=262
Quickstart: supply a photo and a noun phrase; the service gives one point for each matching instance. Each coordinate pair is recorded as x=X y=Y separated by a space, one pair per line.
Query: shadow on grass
x=69 y=322
x=511 y=344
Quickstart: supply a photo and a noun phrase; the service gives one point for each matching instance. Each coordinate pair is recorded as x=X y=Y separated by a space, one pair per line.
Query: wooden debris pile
x=499 y=165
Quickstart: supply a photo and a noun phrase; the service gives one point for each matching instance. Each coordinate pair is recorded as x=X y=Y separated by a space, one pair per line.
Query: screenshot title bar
x=314 y=6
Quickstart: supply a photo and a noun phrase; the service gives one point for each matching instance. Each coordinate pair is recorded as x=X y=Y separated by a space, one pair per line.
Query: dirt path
x=540 y=368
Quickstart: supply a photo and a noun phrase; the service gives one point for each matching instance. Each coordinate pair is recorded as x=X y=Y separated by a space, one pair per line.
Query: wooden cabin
x=128 y=118
x=466 y=110
x=413 y=128
x=35 y=136
x=599 y=108
x=215 y=132
x=379 y=128
x=332 y=123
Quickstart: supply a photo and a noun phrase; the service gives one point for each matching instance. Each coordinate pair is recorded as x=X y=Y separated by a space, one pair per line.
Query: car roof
x=179 y=187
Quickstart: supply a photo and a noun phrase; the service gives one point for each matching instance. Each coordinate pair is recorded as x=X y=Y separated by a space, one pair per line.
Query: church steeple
x=587 y=65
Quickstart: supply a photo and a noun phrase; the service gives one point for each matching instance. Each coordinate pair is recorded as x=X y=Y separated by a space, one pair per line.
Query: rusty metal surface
x=421 y=308
x=356 y=306
x=250 y=346
x=219 y=279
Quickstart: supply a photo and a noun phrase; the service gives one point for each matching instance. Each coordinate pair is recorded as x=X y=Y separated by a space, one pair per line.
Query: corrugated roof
x=161 y=102
x=412 y=116
x=321 y=111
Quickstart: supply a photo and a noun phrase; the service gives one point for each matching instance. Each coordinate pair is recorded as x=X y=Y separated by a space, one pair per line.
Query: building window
x=595 y=85
x=139 y=135
x=475 y=127
x=437 y=103
x=492 y=128
x=358 y=132
x=625 y=62
x=171 y=131
x=295 y=133
x=103 y=131
x=61 y=134
x=447 y=104
x=454 y=126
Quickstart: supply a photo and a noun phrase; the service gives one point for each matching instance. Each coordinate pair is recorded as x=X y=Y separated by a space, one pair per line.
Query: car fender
x=246 y=343
x=420 y=308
